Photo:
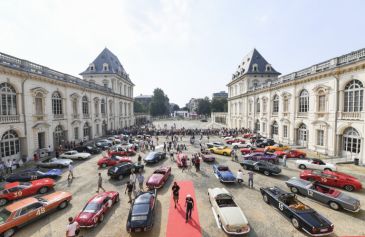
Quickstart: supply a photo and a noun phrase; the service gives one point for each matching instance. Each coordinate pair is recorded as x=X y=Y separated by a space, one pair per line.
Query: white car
x=236 y=145
x=55 y=163
x=73 y=155
x=228 y=138
x=229 y=214
x=214 y=144
x=315 y=164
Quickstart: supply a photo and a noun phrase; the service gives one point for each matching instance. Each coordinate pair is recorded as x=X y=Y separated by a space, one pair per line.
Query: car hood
x=314 y=219
x=233 y=216
x=347 y=199
x=226 y=174
x=155 y=179
x=84 y=217
x=149 y=158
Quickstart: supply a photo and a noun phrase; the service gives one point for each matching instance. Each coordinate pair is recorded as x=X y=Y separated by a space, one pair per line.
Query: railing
x=9 y=118
x=274 y=114
x=350 y=115
x=286 y=114
x=75 y=116
x=58 y=116
x=302 y=114
x=86 y=116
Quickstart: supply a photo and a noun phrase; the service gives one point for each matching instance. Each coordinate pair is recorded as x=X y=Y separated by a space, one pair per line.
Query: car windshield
x=25 y=183
x=159 y=172
x=140 y=209
x=92 y=207
x=4 y=215
x=226 y=202
x=222 y=168
x=41 y=199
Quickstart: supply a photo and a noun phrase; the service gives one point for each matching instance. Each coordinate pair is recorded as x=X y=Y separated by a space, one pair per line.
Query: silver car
x=55 y=163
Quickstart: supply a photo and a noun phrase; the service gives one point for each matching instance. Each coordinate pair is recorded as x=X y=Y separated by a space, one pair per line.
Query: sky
x=188 y=48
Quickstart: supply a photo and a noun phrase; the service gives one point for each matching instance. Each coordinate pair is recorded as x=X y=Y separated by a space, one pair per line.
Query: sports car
x=179 y=158
x=224 y=174
x=262 y=166
x=208 y=158
x=230 y=141
x=96 y=208
x=103 y=145
x=25 y=211
x=291 y=154
x=154 y=157
x=264 y=142
x=17 y=190
x=229 y=214
x=223 y=150
x=214 y=144
x=301 y=216
x=247 y=135
x=249 y=150
x=54 y=163
x=124 y=169
x=315 y=164
x=74 y=155
x=237 y=145
x=334 y=198
x=159 y=177
x=112 y=160
x=33 y=174
x=89 y=149
x=142 y=213
x=277 y=147
x=262 y=156
x=121 y=151
x=332 y=178
x=228 y=138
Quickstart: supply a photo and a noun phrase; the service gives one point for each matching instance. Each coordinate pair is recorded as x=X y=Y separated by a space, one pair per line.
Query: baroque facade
x=320 y=107
x=41 y=107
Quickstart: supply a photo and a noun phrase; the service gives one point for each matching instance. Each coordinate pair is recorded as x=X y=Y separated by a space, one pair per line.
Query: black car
x=142 y=213
x=262 y=166
x=123 y=169
x=154 y=157
x=265 y=142
x=89 y=149
x=33 y=174
x=301 y=216
x=103 y=145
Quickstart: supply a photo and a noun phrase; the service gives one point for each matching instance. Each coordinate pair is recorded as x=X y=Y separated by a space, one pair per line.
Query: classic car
x=179 y=158
x=142 y=213
x=214 y=144
x=237 y=145
x=265 y=142
x=222 y=150
x=208 y=158
x=123 y=169
x=228 y=137
x=334 y=198
x=54 y=163
x=75 y=155
x=291 y=154
x=315 y=164
x=112 y=160
x=332 y=178
x=236 y=140
x=25 y=211
x=96 y=208
x=229 y=214
x=122 y=151
x=301 y=216
x=33 y=174
x=17 y=190
x=204 y=120
x=103 y=145
x=159 y=177
x=247 y=135
x=262 y=156
x=277 y=147
x=249 y=150
x=154 y=157
x=224 y=174
x=262 y=166
x=89 y=149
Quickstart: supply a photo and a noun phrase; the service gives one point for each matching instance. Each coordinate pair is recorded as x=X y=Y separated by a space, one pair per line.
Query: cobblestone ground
x=265 y=221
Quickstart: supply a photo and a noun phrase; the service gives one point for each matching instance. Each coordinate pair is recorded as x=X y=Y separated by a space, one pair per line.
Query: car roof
x=98 y=198
x=220 y=192
x=20 y=204
x=143 y=198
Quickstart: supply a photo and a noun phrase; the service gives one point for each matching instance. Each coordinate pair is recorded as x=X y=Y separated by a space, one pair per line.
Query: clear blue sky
x=187 y=48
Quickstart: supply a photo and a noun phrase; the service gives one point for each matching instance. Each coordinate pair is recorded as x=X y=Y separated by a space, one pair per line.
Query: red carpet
x=176 y=226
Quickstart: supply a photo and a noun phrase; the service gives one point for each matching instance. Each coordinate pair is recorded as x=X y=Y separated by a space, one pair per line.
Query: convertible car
x=315 y=164
x=264 y=142
x=124 y=169
x=208 y=158
x=334 y=198
x=142 y=213
x=121 y=151
x=154 y=157
x=112 y=160
x=55 y=163
x=237 y=145
x=222 y=150
x=262 y=166
x=230 y=141
x=17 y=190
x=74 y=155
x=277 y=147
x=262 y=156
x=96 y=208
x=250 y=150
x=28 y=210
x=159 y=177
x=291 y=154
x=332 y=178
x=301 y=216
x=33 y=174
x=229 y=214
x=224 y=174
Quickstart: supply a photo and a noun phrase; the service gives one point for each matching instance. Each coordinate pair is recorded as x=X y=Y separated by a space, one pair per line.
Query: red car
x=247 y=135
x=332 y=178
x=235 y=141
x=17 y=190
x=121 y=151
x=112 y=160
x=96 y=208
x=291 y=154
x=159 y=177
x=179 y=159
x=208 y=158
x=249 y=150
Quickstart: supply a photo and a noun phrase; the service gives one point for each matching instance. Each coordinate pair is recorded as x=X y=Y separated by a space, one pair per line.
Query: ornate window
x=86 y=130
x=275 y=104
x=257 y=125
x=255 y=68
x=39 y=110
x=9 y=144
x=85 y=105
x=303 y=101
x=102 y=106
x=58 y=135
x=76 y=133
x=353 y=96
x=351 y=140
x=303 y=132
x=320 y=137
x=264 y=106
x=96 y=106
x=56 y=103
x=92 y=67
x=275 y=128
x=286 y=104
x=74 y=106
x=321 y=101
x=110 y=107
x=258 y=105
x=7 y=99
x=268 y=68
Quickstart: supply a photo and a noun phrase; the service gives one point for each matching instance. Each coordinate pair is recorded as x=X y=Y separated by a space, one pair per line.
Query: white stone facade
x=320 y=107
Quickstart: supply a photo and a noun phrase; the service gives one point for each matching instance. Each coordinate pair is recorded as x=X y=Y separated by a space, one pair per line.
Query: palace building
x=41 y=107
x=320 y=107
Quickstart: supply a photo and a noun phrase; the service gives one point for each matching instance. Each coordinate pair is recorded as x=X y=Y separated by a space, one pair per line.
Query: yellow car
x=277 y=147
x=222 y=150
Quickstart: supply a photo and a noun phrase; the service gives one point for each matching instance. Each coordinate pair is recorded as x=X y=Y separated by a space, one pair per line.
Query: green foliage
x=204 y=106
x=160 y=103
x=139 y=108
x=175 y=108
x=219 y=105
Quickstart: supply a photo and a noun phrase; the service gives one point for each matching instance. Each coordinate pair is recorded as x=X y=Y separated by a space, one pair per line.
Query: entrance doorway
x=41 y=140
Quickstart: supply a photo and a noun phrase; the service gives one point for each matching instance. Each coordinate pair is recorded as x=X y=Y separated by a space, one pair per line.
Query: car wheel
x=43 y=190
x=101 y=218
x=9 y=232
x=63 y=205
x=120 y=177
x=245 y=167
x=103 y=165
x=334 y=206
x=224 y=153
x=266 y=198
x=295 y=223
x=349 y=188
x=294 y=190
x=328 y=169
x=3 y=201
x=267 y=173
x=303 y=167
x=301 y=156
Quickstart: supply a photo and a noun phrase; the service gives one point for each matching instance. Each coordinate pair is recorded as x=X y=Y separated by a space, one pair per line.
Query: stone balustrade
x=9 y=118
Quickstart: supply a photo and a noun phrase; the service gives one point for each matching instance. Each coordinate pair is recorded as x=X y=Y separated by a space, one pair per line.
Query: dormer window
x=92 y=67
x=105 y=67
x=268 y=68
x=255 y=68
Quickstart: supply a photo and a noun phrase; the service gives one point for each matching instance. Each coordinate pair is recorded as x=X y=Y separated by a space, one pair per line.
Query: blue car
x=224 y=174
x=154 y=157
x=33 y=174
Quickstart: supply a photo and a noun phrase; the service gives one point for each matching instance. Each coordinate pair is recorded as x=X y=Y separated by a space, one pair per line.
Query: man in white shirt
x=70 y=171
x=239 y=176
x=132 y=179
x=72 y=227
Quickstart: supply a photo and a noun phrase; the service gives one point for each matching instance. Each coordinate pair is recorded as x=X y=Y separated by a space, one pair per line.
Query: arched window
x=353 y=96
x=105 y=67
x=257 y=125
x=39 y=103
x=85 y=105
x=321 y=101
x=303 y=101
x=58 y=136
x=286 y=104
x=56 y=103
x=351 y=140
x=303 y=132
x=9 y=144
x=86 y=130
x=258 y=105
x=96 y=106
x=120 y=108
x=275 y=104
x=275 y=128
x=7 y=99
x=268 y=67
x=102 y=106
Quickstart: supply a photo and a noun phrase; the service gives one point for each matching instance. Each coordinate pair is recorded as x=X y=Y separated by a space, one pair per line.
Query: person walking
x=139 y=159
x=188 y=164
x=129 y=189
x=140 y=179
x=183 y=163
x=70 y=172
x=72 y=228
x=239 y=176
x=100 y=183
x=175 y=193
x=250 y=178
x=132 y=179
x=172 y=156
x=197 y=164
x=189 y=203
x=284 y=161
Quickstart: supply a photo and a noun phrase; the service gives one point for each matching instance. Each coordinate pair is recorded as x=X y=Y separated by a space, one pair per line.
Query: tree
x=175 y=107
x=219 y=105
x=204 y=106
x=160 y=103
x=139 y=108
